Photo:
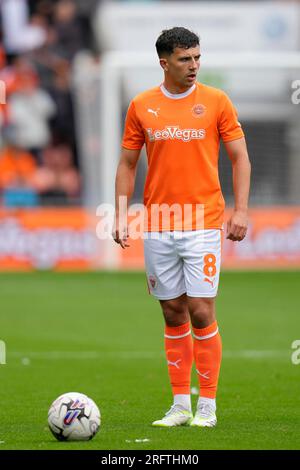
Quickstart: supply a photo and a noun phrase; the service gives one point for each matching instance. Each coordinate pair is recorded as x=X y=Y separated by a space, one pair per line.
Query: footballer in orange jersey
x=181 y=123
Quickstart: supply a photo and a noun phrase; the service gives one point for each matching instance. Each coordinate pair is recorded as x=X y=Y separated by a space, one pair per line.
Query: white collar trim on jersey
x=177 y=96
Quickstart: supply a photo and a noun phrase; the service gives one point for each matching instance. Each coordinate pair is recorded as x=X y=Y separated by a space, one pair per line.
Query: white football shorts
x=183 y=262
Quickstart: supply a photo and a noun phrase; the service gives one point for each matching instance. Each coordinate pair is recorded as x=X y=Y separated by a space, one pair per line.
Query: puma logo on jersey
x=210 y=281
x=174 y=132
x=153 y=112
x=175 y=364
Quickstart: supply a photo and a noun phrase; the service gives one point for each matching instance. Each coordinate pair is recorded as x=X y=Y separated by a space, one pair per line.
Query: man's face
x=182 y=66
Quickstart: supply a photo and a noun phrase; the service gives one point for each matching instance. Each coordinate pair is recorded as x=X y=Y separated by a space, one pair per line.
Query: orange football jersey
x=182 y=135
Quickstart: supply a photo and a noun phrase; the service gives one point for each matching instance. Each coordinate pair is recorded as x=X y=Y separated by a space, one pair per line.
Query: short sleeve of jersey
x=228 y=124
x=133 y=137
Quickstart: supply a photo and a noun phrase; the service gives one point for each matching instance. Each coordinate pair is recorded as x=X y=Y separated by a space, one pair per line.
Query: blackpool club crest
x=152 y=280
x=198 y=110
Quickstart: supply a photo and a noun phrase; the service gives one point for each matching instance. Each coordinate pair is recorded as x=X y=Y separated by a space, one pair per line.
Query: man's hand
x=237 y=226
x=120 y=233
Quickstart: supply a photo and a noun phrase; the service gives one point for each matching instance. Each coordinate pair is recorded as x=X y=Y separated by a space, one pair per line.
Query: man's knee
x=175 y=311
x=202 y=311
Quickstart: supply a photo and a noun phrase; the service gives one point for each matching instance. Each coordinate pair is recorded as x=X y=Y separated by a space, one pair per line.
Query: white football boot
x=176 y=416
x=205 y=416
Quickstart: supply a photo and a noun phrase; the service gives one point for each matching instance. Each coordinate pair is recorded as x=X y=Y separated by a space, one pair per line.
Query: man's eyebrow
x=188 y=56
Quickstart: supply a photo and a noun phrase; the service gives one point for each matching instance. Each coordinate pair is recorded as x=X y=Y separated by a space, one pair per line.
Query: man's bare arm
x=125 y=180
x=241 y=171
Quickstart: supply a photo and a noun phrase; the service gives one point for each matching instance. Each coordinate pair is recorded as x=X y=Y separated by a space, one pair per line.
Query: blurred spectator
x=19 y=35
x=2 y=57
x=3 y=108
x=46 y=59
x=57 y=179
x=17 y=173
x=86 y=11
x=62 y=124
x=70 y=37
x=42 y=7
x=40 y=41
x=30 y=109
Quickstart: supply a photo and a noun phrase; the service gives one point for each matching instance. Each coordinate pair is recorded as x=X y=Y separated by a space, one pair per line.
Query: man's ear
x=163 y=64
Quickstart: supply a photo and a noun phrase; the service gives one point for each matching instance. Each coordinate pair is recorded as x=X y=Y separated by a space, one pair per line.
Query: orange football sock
x=179 y=353
x=208 y=356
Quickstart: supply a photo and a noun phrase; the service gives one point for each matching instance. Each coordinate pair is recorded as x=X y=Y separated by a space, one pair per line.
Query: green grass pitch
x=102 y=334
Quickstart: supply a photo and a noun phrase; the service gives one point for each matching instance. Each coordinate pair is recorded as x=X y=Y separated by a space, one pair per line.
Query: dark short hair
x=169 y=39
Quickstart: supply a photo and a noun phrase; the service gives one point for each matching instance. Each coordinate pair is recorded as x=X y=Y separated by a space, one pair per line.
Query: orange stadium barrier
x=56 y=238
x=65 y=239
x=273 y=241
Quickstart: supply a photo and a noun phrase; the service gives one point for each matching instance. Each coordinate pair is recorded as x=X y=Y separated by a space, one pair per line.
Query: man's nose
x=193 y=64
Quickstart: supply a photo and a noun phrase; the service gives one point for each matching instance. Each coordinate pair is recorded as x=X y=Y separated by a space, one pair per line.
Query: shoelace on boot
x=206 y=410
x=173 y=409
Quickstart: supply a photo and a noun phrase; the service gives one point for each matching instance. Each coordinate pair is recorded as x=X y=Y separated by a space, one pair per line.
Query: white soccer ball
x=74 y=417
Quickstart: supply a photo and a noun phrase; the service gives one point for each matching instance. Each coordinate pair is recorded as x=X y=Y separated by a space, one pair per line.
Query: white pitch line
x=85 y=355
x=257 y=354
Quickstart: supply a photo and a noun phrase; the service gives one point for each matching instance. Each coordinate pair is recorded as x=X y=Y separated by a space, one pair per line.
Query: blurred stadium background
x=71 y=68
